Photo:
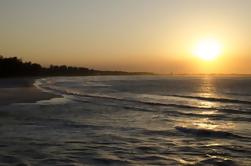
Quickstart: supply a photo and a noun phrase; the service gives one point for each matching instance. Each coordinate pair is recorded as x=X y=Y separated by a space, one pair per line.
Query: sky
x=131 y=35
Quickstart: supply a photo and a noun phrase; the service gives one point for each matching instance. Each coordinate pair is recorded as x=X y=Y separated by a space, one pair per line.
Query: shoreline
x=21 y=90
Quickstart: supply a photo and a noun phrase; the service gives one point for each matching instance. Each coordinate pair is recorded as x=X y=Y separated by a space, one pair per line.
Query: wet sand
x=21 y=90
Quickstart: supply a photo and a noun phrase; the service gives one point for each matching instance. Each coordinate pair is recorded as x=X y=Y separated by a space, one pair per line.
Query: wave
x=238 y=94
x=47 y=84
x=183 y=106
x=176 y=112
x=208 y=133
x=217 y=161
x=110 y=161
x=232 y=111
x=224 y=100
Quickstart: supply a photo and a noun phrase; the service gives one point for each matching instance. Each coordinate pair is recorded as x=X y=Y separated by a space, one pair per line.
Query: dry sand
x=21 y=90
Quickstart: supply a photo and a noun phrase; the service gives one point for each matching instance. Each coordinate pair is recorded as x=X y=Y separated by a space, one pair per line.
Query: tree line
x=15 y=67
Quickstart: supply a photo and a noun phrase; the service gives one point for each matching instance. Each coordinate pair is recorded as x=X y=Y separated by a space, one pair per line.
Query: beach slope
x=21 y=90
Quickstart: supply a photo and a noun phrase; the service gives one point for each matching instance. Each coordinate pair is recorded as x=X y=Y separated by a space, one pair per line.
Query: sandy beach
x=20 y=90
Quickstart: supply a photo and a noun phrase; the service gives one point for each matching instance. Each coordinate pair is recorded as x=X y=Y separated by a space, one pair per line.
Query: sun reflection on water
x=208 y=124
x=205 y=124
x=207 y=104
x=209 y=112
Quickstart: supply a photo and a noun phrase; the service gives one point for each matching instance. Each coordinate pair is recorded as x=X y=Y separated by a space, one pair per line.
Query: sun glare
x=208 y=49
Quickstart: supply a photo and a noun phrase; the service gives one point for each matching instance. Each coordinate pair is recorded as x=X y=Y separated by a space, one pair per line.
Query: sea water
x=131 y=120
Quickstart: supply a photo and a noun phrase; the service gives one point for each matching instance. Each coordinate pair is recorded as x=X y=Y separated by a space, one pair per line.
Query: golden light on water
x=208 y=49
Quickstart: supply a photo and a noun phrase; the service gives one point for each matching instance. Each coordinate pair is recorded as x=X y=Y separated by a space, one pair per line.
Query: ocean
x=131 y=120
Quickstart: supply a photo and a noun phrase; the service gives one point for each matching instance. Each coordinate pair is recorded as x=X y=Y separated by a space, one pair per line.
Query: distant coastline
x=17 y=79
x=15 y=67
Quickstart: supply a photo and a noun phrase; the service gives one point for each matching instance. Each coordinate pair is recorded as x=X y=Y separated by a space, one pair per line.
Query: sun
x=208 y=49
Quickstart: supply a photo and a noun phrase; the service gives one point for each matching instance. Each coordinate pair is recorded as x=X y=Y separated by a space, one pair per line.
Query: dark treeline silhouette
x=15 y=67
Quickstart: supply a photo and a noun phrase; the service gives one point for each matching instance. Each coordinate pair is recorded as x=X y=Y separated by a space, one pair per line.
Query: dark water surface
x=136 y=120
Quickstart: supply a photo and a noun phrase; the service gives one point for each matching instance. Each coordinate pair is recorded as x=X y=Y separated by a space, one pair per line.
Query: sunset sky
x=132 y=35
